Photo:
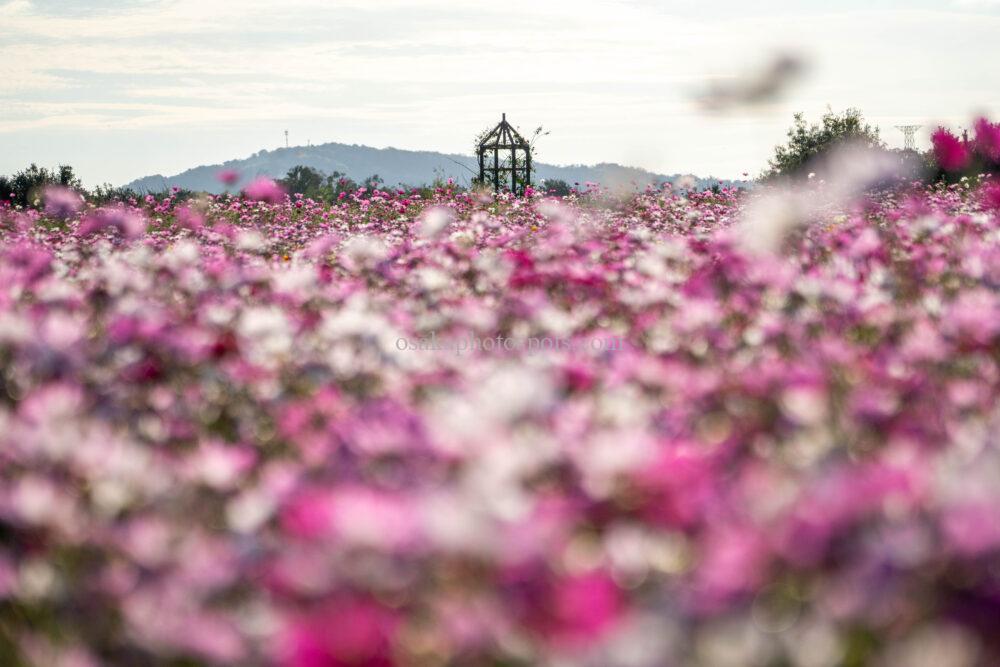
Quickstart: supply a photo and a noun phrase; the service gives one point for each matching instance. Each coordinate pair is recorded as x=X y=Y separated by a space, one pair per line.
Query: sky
x=127 y=88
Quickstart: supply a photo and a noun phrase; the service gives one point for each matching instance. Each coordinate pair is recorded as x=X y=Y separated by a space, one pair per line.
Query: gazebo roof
x=503 y=136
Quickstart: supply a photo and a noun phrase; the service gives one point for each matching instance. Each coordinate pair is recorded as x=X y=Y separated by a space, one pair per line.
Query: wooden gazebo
x=504 y=159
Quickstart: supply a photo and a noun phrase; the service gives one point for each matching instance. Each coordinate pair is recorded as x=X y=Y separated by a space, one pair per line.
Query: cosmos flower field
x=468 y=429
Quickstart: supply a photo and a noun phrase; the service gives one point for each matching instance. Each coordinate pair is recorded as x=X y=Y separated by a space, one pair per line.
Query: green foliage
x=557 y=187
x=373 y=182
x=313 y=184
x=304 y=181
x=807 y=142
x=25 y=188
x=921 y=165
x=107 y=194
x=338 y=184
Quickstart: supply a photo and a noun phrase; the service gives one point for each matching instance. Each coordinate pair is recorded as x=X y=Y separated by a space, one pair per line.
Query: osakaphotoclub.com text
x=499 y=344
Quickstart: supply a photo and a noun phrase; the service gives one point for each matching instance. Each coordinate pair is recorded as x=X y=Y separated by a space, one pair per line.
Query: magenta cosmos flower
x=991 y=196
x=949 y=151
x=344 y=631
x=988 y=139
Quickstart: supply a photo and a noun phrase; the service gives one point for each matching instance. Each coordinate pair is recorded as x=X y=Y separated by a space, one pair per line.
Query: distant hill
x=394 y=166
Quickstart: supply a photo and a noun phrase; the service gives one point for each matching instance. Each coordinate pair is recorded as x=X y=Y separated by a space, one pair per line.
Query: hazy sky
x=127 y=88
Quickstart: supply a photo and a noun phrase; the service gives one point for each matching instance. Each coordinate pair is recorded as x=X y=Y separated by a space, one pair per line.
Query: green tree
x=26 y=187
x=313 y=184
x=107 y=193
x=337 y=184
x=557 y=187
x=807 y=142
x=305 y=181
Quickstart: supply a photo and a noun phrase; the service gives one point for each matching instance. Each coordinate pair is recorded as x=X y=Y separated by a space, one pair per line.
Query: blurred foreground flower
x=754 y=88
x=849 y=170
x=228 y=176
x=218 y=446
x=62 y=202
x=128 y=223
x=266 y=190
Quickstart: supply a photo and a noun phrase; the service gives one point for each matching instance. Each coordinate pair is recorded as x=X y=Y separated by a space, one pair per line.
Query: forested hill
x=394 y=166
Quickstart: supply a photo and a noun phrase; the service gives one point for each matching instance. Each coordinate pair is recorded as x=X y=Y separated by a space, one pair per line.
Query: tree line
x=313 y=184
x=26 y=188
x=808 y=143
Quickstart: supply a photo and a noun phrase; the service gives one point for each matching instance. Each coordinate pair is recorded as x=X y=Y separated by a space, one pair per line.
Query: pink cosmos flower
x=988 y=139
x=62 y=202
x=129 y=223
x=578 y=610
x=676 y=486
x=949 y=151
x=28 y=260
x=220 y=466
x=343 y=632
x=974 y=316
x=733 y=562
x=972 y=529
x=189 y=218
x=320 y=247
x=266 y=190
x=991 y=196
x=309 y=514
x=825 y=412
x=228 y=176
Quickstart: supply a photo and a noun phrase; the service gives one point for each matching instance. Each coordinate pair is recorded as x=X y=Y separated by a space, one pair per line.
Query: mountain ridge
x=396 y=167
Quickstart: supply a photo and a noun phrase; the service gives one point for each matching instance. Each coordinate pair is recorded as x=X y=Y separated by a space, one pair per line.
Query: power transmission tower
x=286 y=138
x=909 y=131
